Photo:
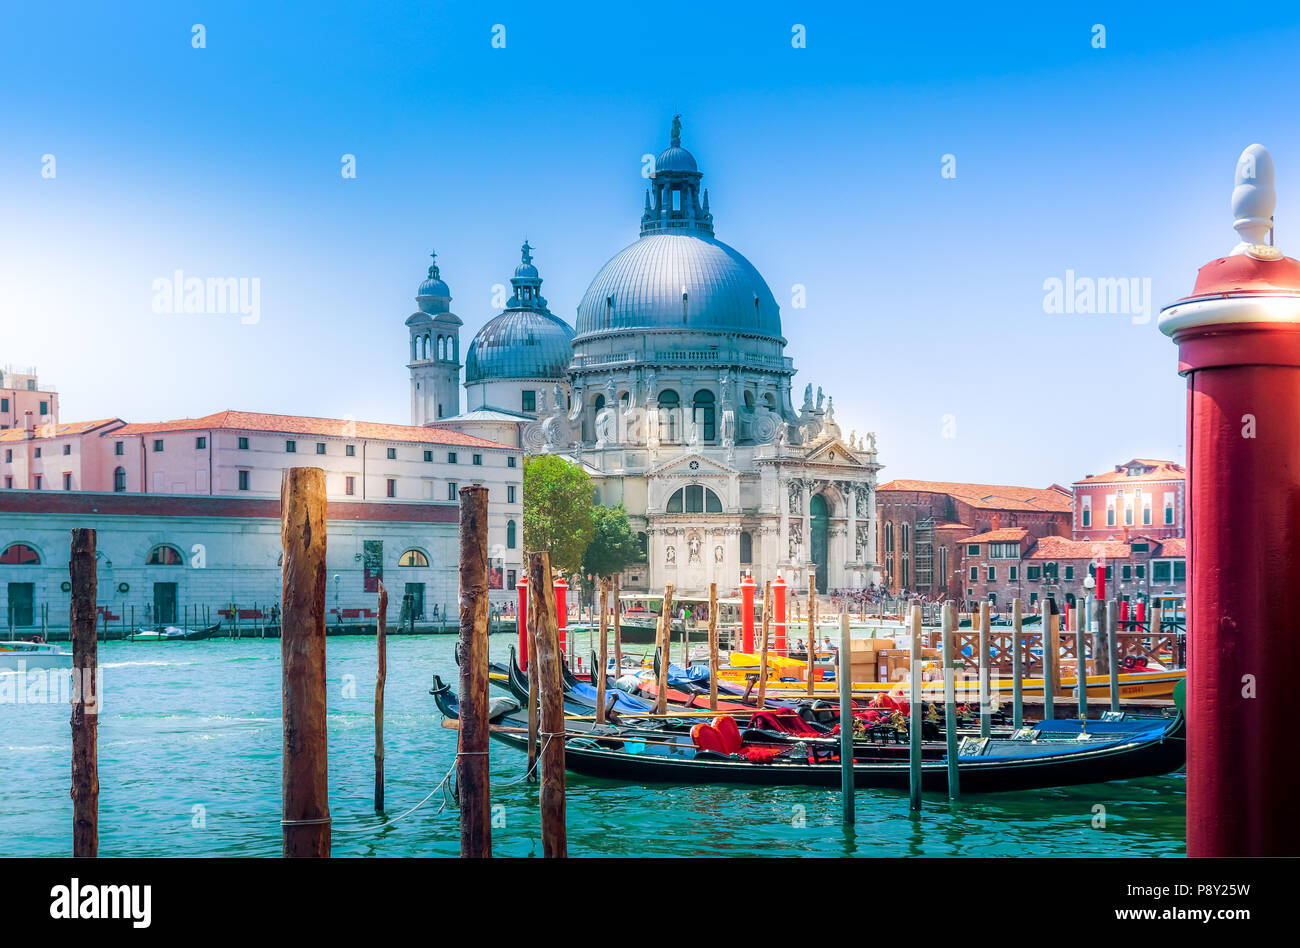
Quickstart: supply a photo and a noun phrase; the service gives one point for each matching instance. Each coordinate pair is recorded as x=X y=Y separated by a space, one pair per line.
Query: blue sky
x=924 y=293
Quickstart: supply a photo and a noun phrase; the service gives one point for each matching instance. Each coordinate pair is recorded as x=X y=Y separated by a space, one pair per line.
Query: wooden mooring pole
x=618 y=636
x=844 y=677
x=1112 y=652
x=950 y=699
x=381 y=677
x=601 y=671
x=548 y=659
x=472 y=755
x=1081 y=660
x=534 y=713
x=986 y=707
x=812 y=632
x=915 y=711
x=1051 y=652
x=85 y=694
x=665 y=637
x=305 y=822
x=1017 y=664
x=713 y=646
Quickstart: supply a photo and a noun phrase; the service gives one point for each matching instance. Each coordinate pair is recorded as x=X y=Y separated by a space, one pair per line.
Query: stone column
x=853 y=525
x=783 y=506
x=807 y=520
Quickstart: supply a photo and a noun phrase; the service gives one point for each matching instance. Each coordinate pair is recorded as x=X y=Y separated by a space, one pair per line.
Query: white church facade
x=674 y=393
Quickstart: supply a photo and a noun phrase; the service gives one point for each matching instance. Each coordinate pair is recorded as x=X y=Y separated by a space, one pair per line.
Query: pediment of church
x=692 y=465
x=834 y=452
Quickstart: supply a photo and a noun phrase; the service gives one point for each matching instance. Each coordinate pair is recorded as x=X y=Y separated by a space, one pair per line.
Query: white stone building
x=674 y=393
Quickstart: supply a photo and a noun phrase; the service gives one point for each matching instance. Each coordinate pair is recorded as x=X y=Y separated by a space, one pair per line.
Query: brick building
x=1142 y=496
x=1003 y=565
x=922 y=525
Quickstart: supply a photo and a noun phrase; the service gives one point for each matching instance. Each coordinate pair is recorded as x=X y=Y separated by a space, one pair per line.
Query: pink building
x=1142 y=497
x=24 y=402
x=392 y=491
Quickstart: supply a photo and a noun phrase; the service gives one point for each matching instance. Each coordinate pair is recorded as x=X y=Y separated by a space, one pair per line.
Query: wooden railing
x=1166 y=649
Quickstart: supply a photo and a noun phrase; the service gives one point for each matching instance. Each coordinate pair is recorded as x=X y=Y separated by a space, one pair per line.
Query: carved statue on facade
x=796 y=496
x=693 y=548
x=670 y=556
x=796 y=539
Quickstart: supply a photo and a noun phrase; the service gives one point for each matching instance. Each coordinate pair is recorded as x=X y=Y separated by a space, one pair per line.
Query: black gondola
x=1115 y=751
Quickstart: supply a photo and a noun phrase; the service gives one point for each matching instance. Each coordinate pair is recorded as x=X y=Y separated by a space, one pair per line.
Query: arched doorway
x=819 y=528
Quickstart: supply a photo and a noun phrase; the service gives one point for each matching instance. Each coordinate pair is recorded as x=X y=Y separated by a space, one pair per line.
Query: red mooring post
x=1238 y=337
x=778 y=615
x=562 y=612
x=747 y=614
x=522 y=621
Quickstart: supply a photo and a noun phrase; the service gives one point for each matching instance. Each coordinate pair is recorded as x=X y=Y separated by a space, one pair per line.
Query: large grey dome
x=520 y=344
x=642 y=287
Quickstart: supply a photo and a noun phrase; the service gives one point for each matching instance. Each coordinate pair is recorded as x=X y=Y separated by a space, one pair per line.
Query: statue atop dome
x=675 y=136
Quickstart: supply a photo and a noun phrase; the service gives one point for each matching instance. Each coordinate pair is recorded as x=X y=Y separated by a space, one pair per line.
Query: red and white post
x=1238 y=338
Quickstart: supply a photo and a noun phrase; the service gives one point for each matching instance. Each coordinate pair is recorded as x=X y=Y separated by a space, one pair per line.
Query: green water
x=189 y=763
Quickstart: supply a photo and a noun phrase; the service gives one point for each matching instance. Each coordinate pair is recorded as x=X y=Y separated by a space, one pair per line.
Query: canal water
x=189 y=765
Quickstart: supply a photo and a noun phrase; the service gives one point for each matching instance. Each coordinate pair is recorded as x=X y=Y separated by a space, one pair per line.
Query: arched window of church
x=20 y=554
x=669 y=407
x=746 y=548
x=413 y=558
x=455 y=348
x=119 y=479
x=703 y=415
x=694 y=498
x=770 y=400
x=510 y=535
x=749 y=402
x=599 y=403
x=442 y=347
x=164 y=554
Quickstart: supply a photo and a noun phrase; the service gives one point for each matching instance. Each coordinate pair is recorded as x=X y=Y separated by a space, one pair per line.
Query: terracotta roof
x=1163 y=471
x=1061 y=548
x=56 y=431
x=1174 y=546
x=301 y=424
x=992 y=496
x=1005 y=535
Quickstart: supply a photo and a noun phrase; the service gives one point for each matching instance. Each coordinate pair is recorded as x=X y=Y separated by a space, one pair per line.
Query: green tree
x=557 y=510
x=614 y=547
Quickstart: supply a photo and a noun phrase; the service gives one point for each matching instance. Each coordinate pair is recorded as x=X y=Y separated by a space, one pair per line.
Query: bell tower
x=434 y=352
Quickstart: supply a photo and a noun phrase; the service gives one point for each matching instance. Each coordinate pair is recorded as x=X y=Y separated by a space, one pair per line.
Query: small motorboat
x=19 y=656
x=172 y=633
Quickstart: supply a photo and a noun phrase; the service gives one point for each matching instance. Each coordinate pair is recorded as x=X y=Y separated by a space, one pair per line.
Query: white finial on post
x=1253 y=198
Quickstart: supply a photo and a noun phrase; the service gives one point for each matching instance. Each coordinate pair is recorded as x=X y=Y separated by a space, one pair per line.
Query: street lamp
x=1089 y=584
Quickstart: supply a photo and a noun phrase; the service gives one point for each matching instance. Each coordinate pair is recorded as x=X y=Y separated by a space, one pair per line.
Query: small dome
x=675 y=158
x=433 y=287
x=433 y=295
x=526 y=271
x=520 y=344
